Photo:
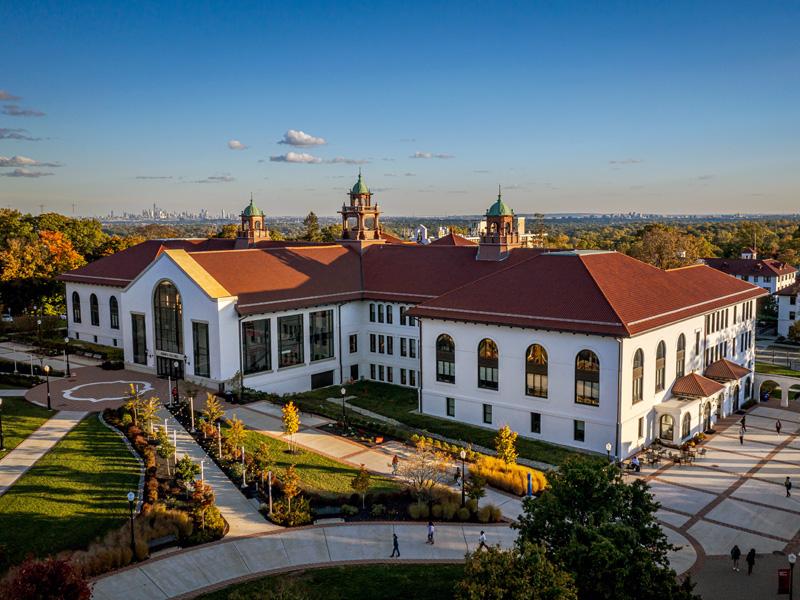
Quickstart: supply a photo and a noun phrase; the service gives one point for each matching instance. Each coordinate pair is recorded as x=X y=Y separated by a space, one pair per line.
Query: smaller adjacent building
x=768 y=273
x=787 y=300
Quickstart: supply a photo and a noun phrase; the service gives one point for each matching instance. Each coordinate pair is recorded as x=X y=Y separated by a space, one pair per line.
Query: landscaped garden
x=20 y=419
x=770 y=369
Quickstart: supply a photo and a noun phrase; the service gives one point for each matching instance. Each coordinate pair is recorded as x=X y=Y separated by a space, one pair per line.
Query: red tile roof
x=790 y=290
x=696 y=385
x=453 y=239
x=750 y=266
x=725 y=370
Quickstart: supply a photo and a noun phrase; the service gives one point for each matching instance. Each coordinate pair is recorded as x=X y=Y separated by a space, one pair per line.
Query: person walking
x=735 y=554
x=778 y=426
x=431 y=531
x=744 y=424
x=395 y=463
x=741 y=435
x=482 y=540
x=751 y=560
x=788 y=485
x=395 y=547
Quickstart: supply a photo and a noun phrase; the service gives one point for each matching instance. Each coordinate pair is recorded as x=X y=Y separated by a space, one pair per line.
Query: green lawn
x=318 y=474
x=74 y=494
x=775 y=370
x=20 y=419
x=398 y=403
x=387 y=582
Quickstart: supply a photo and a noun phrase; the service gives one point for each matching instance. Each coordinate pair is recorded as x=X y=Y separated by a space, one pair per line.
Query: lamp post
x=608 y=450
x=46 y=370
x=2 y=438
x=463 y=455
x=344 y=414
x=131 y=498
x=792 y=559
x=66 y=355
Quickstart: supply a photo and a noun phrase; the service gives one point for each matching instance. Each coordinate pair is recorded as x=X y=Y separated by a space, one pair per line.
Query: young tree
x=311 y=229
x=523 y=572
x=133 y=403
x=263 y=461
x=475 y=487
x=604 y=532
x=202 y=499
x=506 y=445
x=149 y=412
x=360 y=483
x=185 y=472
x=291 y=423
x=165 y=447
x=236 y=435
x=49 y=578
x=291 y=486
x=794 y=332
x=213 y=411
x=423 y=471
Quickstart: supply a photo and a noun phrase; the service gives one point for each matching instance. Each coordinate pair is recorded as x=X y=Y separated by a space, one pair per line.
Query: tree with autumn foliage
x=49 y=578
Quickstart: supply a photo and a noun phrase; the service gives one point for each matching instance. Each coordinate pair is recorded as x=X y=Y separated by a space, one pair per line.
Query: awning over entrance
x=695 y=385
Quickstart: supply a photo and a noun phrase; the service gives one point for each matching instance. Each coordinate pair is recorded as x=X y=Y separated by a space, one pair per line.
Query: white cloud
x=236 y=145
x=347 y=161
x=4 y=95
x=296 y=157
x=25 y=173
x=430 y=155
x=295 y=137
x=16 y=134
x=17 y=111
x=217 y=179
x=154 y=177
x=24 y=161
x=626 y=161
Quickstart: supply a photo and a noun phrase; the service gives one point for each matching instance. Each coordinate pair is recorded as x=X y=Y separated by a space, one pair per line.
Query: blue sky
x=572 y=106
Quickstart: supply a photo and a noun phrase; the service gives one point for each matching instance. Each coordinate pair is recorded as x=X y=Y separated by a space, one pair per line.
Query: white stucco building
x=787 y=300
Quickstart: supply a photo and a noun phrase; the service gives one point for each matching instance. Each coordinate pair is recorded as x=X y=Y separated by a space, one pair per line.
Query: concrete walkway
x=242 y=517
x=31 y=449
x=189 y=572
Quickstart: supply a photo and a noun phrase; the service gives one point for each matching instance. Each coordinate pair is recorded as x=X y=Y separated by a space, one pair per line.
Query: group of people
x=431 y=532
x=750 y=559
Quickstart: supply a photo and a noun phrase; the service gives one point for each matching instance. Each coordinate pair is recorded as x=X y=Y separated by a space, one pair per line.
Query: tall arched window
x=587 y=378
x=113 y=311
x=661 y=366
x=94 y=310
x=168 y=316
x=76 y=307
x=487 y=365
x=536 y=371
x=638 y=376
x=686 y=426
x=666 y=428
x=680 y=357
x=445 y=359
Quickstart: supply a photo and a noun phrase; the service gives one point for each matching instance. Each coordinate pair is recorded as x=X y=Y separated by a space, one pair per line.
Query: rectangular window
x=403 y=377
x=536 y=423
x=114 y=341
x=290 y=341
x=139 y=338
x=353 y=343
x=487 y=413
x=579 y=430
x=412 y=378
x=381 y=372
x=793 y=300
x=412 y=348
x=390 y=374
x=735 y=310
x=373 y=343
x=381 y=344
x=372 y=312
x=451 y=407
x=402 y=315
x=320 y=325
x=380 y=313
x=372 y=371
x=403 y=347
x=256 y=346
x=389 y=315
x=696 y=343
x=114 y=313
x=792 y=315
x=641 y=427
x=202 y=366
x=354 y=372
x=389 y=344
x=412 y=321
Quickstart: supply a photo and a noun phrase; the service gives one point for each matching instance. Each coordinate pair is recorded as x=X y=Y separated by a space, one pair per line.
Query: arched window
x=76 y=307
x=661 y=366
x=536 y=371
x=686 y=426
x=587 y=378
x=748 y=389
x=445 y=359
x=487 y=364
x=638 y=375
x=680 y=357
x=168 y=316
x=666 y=428
x=113 y=311
x=94 y=310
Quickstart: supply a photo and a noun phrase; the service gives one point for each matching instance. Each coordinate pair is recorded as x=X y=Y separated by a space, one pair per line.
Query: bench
x=327 y=511
x=161 y=543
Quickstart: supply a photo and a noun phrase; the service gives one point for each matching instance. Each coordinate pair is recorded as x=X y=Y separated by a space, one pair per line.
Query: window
x=202 y=364
x=94 y=310
x=354 y=372
x=536 y=371
x=256 y=346
x=536 y=423
x=587 y=378
x=381 y=371
x=666 y=428
x=320 y=325
x=638 y=375
x=412 y=347
x=381 y=344
x=686 y=425
x=290 y=341
x=389 y=344
x=389 y=315
x=451 y=407
x=353 y=343
x=139 y=339
x=76 y=307
x=372 y=371
x=402 y=315
x=380 y=313
x=487 y=413
x=373 y=343
x=661 y=366
x=680 y=357
x=793 y=300
x=641 y=427
x=412 y=321
x=168 y=315
x=696 y=343
x=412 y=378
x=487 y=365
x=403 y=377
x=792 y=315
x=445 y=359
x=403 y=347
x=579 y=430
x=372 y=312
x=390 y=374
x=113 y=312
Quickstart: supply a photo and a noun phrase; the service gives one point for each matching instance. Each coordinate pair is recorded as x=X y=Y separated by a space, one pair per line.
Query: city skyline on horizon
x=673 y=110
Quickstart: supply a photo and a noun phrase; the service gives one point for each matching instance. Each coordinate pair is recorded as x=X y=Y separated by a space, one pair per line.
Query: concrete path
x=31 y=449
x=16 y=393
x=242 y=517
x=189 y=572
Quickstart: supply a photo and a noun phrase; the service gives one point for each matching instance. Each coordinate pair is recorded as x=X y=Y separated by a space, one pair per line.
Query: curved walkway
x=189 y=572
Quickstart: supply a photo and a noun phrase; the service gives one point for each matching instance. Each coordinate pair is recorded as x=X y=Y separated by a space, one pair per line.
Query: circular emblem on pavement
x=105 y=387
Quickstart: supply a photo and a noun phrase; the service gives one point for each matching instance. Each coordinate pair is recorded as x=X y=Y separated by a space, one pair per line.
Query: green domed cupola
x=499 y=208
x=360 y=188
x=252 y=210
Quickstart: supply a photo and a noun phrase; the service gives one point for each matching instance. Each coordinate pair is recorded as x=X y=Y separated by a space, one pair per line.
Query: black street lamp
x=46 y=370
x=131 y=498
x=66 y=355
x=792 y=559
x=608 y=450
x=2 y=438
x=344 y=414
x=463 y=455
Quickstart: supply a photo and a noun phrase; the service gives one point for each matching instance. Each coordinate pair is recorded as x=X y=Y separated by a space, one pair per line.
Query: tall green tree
x=311 y=230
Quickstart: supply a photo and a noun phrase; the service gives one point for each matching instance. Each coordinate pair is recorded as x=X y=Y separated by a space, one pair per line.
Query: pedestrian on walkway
x=395 y=547
x=788 y=485
x=741 y=435
x=751 y=560
x=735 y=554
x=482 y=540
x=431 y=531
x=742 y=421
x=778 y=426
x=395 y=463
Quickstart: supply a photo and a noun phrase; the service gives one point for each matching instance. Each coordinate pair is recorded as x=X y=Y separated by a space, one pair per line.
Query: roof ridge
x=603 y=292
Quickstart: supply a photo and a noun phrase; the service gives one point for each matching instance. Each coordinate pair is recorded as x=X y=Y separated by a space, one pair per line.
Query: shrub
x=436 y=512
x=349 y=510
x=377 y=510
x=472 y=505
x=126 y=420
x=418 y=511
x=48 y=578
x=463 y=514
x=300 y=513
x=511 y=478
x=489 y=514
x=449 y=510
x=151 y=493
